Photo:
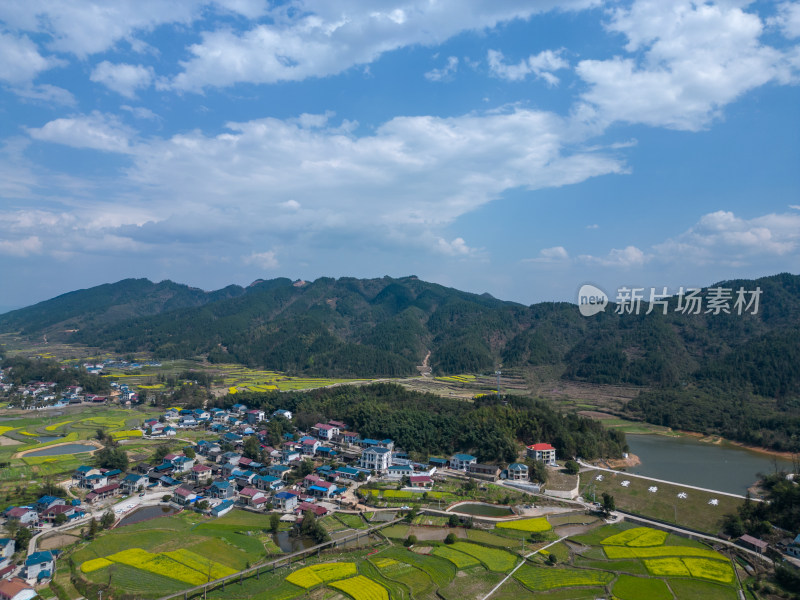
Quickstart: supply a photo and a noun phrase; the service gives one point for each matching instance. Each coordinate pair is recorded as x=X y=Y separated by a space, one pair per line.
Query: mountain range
x=351 y=327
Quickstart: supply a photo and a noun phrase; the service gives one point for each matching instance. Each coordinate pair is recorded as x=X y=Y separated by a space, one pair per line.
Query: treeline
x=781 y=508
x=490 y=428
x=731 y=412
x=25 y=370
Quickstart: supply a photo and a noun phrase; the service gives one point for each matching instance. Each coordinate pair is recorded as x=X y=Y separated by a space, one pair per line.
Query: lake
x=146 y=513
x=61 y=450
x=684 y=459
x=480 y=509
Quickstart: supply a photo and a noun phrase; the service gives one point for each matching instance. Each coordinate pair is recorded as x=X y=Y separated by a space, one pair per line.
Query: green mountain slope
x=728 y=373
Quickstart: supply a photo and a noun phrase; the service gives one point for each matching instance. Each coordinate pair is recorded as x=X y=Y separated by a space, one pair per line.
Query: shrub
x=450 y=539
x=410 y=540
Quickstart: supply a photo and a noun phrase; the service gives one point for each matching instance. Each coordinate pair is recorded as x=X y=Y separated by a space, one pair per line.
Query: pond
x=63 y=449
x=147 y=513
x=685 y=459
x=289 y=543
x=479 y=509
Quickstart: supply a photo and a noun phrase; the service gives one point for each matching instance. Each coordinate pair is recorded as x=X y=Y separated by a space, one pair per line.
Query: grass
x=361 y=588
x=416 y=580
x=636 y=588
x=441 y=571
x=694 y=511
x=540 y=579
x=352 y=521
x=459 y=559
x=634 y=567
x=537 y=524
x=691 y=589
x=492 y=558
x=509 y=539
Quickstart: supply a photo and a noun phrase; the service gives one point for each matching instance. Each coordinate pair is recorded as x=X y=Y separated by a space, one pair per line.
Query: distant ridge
x=736 y=374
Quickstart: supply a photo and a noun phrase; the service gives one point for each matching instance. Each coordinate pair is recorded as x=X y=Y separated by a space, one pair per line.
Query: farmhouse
x=376 y=459
x=16 y=589
x=460 y=462
x=544 y=452
x=40 y=565
x=518 y=472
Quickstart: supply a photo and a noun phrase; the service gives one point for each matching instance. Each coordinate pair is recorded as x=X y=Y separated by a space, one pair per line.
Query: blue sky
x=518 y=148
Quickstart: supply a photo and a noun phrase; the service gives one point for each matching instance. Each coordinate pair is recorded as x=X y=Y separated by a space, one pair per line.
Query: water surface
x=686 y=460
x=482 y=510
x=61 y=450
x=146 y=513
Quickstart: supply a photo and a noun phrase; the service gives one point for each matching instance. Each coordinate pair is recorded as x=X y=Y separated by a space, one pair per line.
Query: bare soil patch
x=59 y=540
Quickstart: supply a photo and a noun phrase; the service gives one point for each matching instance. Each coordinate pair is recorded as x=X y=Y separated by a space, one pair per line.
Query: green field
x=693 y=511
x=160 y=556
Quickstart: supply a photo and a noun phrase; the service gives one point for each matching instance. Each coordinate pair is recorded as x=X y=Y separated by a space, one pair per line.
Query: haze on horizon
x=518 y=149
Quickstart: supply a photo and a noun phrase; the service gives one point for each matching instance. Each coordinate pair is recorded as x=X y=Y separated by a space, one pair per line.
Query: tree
x=306 y=468
x=552 y=558
x=572 y=467
x=92 y=529
x=608 y=503
x=60 y=519
x=23 y=537
x=451 y=538
x=453 y=521
x=160 y=453
x=111 y=458
x=410 y=541
x=107 y=520
x=202 y=505
x=537 y=470
x=252 y=448
x=274 y=522
x=189 y=452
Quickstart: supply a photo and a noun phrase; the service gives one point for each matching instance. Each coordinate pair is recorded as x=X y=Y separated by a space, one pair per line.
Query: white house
x=460 y=462
x=376 y=459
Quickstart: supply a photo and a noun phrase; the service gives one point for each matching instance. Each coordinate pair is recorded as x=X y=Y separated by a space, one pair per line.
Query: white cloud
x=788 y=19
x=628 y=257
x=445 y=72
x=455 y=247
x=140 y=112
x=593 y=226
x=85 y=27
x=540 y=65
x=50 y=94
x=21 y=247
x=20 y=61
x=317 y=38
x=96 y=131
x=122 y=78
x=722 y=237
x=420 y=172
x=262 y=260
x=556 y=254
x=695 y=59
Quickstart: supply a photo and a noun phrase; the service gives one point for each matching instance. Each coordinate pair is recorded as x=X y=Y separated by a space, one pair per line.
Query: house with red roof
x=544 y=452
x=319 y=511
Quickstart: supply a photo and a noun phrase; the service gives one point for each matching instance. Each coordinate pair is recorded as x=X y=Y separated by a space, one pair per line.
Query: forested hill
x=107 y=304
x=385 y=327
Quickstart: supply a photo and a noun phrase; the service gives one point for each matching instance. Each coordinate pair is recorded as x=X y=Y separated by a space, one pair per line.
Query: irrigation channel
x=287 y=560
